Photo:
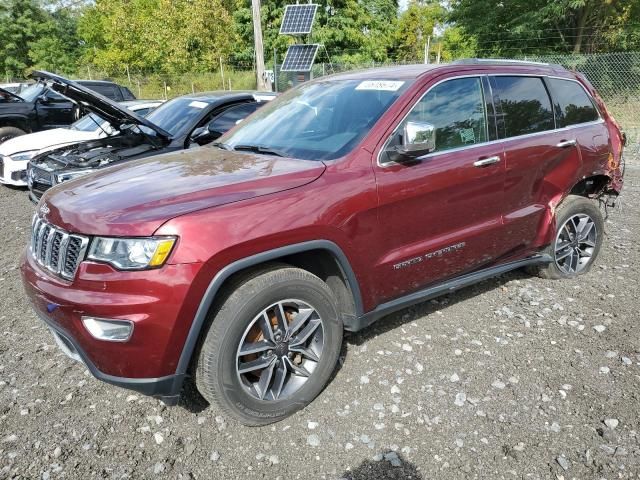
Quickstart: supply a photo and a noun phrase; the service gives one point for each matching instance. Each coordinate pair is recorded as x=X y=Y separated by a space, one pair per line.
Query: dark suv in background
x=345 y=199
x=39 y=108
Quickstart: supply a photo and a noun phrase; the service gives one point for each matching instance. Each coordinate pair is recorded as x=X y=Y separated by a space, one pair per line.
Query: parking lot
x=516 y=377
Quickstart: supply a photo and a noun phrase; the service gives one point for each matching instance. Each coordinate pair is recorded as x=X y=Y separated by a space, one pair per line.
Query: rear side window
x=126 y=94
x=523 y=105
x=109 y=91
x=456 y=109
x=571 y=103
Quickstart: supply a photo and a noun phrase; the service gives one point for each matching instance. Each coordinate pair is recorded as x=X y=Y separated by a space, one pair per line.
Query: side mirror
x=205 y=134
x=418 y=139
x=44 y=98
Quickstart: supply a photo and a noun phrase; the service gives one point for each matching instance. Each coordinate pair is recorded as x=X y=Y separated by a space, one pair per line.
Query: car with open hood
x=180 y=123
x=16 y=152
x=37 y=107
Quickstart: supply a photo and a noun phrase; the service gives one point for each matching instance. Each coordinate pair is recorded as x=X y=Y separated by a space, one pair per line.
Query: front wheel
x=7 y=133
x=579 y=234
x=271 y=346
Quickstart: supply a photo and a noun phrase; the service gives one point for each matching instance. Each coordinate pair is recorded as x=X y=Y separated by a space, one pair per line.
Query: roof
x=409 y=72
x=223 y=95
x=95 y=82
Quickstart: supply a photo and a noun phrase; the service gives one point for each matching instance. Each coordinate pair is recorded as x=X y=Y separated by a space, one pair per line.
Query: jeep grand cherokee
x=345 y=199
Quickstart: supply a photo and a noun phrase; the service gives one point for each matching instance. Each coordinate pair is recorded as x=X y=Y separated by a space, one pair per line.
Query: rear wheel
x=579 y=234
x=271 y=346
x=7 y=133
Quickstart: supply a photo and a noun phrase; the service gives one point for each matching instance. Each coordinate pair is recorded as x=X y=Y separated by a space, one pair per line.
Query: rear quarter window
x=126 y=94
x=524 y=105
x=571 y=103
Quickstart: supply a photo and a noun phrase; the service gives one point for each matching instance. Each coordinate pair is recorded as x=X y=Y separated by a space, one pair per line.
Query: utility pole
x=426 y=49
x=263 y=83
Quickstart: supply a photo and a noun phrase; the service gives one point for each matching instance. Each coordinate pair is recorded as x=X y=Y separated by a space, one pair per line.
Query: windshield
x=88 y=123
x=177 y=115
x=323 y=120
x=32 y=92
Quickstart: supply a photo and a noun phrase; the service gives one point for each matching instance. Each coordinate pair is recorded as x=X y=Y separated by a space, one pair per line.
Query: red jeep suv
x=345 y=199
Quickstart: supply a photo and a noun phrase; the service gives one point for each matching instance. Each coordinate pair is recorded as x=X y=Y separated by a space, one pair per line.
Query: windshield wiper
x=221 y=145
x=260 y=149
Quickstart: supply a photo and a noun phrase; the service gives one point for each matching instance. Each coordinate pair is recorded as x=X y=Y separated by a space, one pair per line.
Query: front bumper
x=166 y=388
x=154 y=300
x=12 y=172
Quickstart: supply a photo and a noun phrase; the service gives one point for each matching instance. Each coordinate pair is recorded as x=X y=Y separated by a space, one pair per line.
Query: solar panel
x=299 y=58
x=298 y=19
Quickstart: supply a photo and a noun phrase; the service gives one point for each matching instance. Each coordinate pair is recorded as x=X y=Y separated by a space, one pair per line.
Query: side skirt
x=441 y=289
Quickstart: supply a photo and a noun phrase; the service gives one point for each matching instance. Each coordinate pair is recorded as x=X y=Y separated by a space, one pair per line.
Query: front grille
x=39 y=180
x=56 y=250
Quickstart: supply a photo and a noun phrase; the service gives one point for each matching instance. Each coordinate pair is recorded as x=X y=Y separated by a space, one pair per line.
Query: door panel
x=534 y=152
x=441 y=216
x=536 y=169
x=57 y=112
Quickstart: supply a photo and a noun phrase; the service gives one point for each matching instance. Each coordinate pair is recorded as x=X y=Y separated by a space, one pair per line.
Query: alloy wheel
x=575 y=243
x=280 y=349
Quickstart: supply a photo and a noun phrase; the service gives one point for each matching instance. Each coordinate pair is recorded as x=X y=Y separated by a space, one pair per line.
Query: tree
x=415 y=25
x=21 y=23
x=521 y=27
x=58 y=48
x=159 y=36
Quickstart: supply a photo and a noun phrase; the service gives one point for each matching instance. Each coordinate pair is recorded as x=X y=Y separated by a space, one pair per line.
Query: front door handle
x=566 y=143
x=483 y=162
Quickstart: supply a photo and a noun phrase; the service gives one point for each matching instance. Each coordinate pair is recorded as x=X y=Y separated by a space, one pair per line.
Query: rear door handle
x=566 y=143
x=483 y=162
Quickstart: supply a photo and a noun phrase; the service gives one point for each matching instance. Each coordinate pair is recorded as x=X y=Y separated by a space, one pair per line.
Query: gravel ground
x=516 y=377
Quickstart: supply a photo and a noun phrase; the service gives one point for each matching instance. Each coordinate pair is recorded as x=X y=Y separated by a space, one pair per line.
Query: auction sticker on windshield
x=198 y=104
x=386 y=85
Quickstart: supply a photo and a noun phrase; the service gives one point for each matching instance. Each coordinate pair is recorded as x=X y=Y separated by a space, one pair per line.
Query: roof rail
x=502 y=61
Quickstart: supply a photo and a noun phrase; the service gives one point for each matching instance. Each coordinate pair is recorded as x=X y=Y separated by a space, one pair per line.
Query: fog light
x=109 y=330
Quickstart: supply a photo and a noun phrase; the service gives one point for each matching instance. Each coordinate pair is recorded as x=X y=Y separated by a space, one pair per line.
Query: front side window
x=232 y=116
x=32 y=92
x=571 y=102
x=456 y=109
x=321 y=120
x=177 y=116
x=524 y=103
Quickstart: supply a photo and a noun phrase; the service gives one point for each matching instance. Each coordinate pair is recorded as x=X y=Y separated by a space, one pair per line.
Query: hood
x=116 y=115
x=136 y=198
x=11 y=94
x=46 y=139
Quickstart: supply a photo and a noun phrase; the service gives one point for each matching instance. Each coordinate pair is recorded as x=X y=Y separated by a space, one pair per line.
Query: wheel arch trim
x=225 y=273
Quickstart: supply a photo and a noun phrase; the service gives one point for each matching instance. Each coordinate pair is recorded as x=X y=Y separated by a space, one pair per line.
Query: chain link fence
x=616 y=77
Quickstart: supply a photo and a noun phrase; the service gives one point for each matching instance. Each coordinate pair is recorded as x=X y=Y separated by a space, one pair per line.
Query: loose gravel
x=516 y=377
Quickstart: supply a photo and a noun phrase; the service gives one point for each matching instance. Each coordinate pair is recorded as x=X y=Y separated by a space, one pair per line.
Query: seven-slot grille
x=58 y=251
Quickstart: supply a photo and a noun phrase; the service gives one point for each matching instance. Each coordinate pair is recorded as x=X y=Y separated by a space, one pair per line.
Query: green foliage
x=58 y=48
x=167 y=36
x=521 y=27
x=415 y=25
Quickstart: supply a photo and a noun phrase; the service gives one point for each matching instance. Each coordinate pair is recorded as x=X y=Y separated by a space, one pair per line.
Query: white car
x=16 y=153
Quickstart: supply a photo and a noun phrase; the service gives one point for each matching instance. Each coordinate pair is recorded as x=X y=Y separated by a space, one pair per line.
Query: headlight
x=63 y=177
x=131 y=253
x=23 y=156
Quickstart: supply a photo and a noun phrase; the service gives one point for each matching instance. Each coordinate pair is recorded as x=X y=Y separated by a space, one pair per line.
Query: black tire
x=217 y=374
x=571 y=207
x=7 y=133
